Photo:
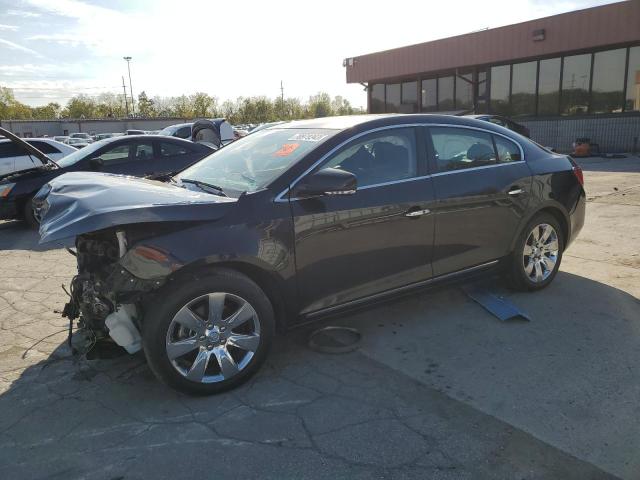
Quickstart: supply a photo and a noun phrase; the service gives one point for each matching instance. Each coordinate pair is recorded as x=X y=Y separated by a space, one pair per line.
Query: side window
x=184 y=132
x=143 y=151
x=508 y=151
x=379 y=157
x=44 y=147
x=171 y=149
x=116 y=154
x=9 y=149
x=461 y=148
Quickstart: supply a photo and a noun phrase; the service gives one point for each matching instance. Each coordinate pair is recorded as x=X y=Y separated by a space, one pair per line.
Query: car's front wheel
x=210 y=334
x=538 y=252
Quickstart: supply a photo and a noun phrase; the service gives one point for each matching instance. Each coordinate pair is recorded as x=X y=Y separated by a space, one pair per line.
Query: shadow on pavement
x=305 y=415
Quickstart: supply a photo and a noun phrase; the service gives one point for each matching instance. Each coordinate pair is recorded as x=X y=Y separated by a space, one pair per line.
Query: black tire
x=173 y=298
x=518 y=277
x=29 y=218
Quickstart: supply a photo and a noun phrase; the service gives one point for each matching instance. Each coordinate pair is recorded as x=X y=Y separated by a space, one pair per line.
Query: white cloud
x=15 y=46
x=22 y=13
x=11 y=28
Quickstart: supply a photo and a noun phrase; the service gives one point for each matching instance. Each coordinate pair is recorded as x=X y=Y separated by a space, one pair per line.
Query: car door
x=481 y=195
x=129 y=158
x=349 y=247
x=174 y=157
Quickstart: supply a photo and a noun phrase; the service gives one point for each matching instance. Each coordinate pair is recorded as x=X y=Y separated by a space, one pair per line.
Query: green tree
x=146 y=106
x=50 y=111
x=319 y=105
x=81 y=106
x=10 y=108
x=203 y=105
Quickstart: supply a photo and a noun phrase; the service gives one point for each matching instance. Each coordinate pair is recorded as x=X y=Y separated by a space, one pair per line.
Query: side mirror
x=328 y=181
x=96 y=163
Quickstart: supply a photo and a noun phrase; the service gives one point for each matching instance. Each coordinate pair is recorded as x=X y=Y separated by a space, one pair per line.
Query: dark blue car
x=136 y=155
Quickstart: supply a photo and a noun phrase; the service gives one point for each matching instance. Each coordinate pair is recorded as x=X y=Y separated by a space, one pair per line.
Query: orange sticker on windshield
x=286 y=149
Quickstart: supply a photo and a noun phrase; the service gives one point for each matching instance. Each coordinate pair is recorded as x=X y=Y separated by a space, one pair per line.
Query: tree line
x=241 y=110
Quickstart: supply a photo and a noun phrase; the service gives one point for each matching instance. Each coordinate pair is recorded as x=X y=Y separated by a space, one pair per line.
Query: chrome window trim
x=280 y=198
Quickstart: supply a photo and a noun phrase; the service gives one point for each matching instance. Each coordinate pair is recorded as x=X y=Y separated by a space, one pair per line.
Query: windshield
x=81 y=154
x=253 y=162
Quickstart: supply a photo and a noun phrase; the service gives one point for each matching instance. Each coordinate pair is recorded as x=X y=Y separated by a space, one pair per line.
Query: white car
x=14 y=159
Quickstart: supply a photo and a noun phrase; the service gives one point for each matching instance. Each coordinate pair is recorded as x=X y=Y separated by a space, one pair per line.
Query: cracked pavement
x=439 y=389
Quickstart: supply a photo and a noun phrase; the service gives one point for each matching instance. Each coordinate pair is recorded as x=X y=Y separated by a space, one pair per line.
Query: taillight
x=577 y=171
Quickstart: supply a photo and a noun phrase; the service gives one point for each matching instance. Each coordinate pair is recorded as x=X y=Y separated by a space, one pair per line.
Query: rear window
x=44 y=147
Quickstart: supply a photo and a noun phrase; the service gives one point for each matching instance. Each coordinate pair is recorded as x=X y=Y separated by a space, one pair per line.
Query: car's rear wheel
x=210 y=334
x=538 y=253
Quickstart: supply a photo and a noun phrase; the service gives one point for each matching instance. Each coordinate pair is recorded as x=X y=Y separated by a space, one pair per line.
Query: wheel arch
x=270 y=283
x=557 y=211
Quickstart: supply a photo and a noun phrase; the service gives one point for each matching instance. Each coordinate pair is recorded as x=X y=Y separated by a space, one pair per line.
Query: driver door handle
x=417 y=213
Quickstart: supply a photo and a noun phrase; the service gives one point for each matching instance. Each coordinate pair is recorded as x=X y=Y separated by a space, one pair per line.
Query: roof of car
x=349 y=121
x=30 y=139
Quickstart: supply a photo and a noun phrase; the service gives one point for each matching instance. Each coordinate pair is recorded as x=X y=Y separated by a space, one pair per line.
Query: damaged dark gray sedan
x=303 y=220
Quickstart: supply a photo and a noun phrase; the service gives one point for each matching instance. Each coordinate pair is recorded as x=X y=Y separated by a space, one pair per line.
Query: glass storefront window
x=409 y=97
x=429 y=95
x=481 y=102
x=523 y=89
x=445 y=94
x=500 y=79
x=632 y=101
x=549 y=86
x=464 y=91
x=575 y=85
x=608 y=81
x=392 y=98
x=377 y=98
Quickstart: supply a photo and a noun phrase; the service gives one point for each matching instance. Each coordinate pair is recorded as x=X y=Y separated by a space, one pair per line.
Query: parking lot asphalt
x=438 y=389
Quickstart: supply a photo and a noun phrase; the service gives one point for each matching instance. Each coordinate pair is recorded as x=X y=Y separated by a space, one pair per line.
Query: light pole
x=133 y=108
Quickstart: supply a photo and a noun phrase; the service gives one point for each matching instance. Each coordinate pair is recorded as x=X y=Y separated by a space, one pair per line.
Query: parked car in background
x=83 y=136
x=503 y=122
x=130 y=155
x=102 y=136
x=303 y=220
x=61 y=138
x=13 y=157
x=78 y=142
x=180 y=130
x=134 y=131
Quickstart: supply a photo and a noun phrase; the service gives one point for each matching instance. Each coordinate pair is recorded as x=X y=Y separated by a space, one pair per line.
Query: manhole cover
x=335 y=340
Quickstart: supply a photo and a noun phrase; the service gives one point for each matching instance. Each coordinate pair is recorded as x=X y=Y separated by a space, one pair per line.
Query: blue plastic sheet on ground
x=497 y=306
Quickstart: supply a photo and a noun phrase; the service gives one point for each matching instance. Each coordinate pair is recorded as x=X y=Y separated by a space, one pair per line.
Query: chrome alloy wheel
x=213 y=337
x=540 y=252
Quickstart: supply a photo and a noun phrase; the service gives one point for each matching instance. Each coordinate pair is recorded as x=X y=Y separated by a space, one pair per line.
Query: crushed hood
x=82 y=202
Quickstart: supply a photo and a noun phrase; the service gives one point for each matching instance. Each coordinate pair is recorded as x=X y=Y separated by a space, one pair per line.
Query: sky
x=51 y=50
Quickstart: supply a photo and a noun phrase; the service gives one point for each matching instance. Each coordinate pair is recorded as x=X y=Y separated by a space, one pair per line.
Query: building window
x=377 y=98
x=445 y=94
x=523 y=89
x=608 y=81
x=575 y=84
x=429 y=95
x=549 y=86
x=409 y=97
x=464 y=91
x=500 y=80
x=481 y=101
x=632 y=101
x=392 y=98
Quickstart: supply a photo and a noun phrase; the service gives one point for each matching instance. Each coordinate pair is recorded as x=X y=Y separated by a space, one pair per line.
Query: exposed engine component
x=122 y=329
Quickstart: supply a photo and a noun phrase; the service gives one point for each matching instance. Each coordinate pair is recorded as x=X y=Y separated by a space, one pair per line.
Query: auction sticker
x=286 y=149
x=308 y=137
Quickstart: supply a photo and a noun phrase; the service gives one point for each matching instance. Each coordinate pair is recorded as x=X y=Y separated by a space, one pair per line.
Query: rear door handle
x=417 y=213
x=515 y=191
